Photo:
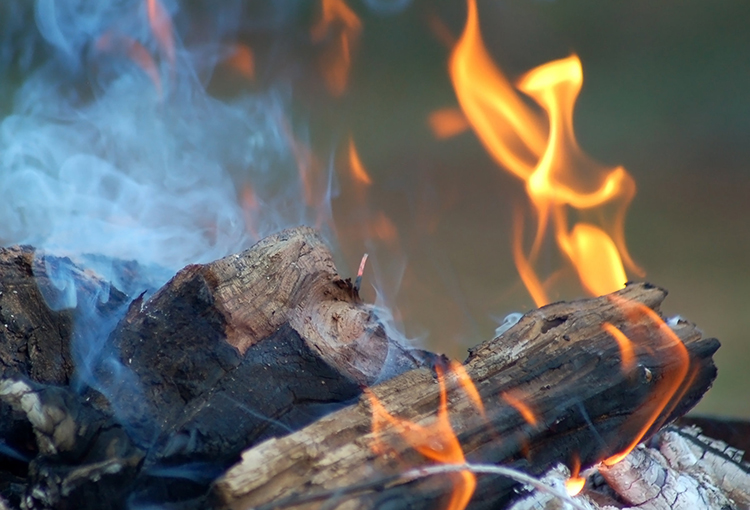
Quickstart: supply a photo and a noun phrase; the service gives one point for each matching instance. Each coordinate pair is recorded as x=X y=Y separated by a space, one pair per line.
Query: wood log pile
x=251 y=381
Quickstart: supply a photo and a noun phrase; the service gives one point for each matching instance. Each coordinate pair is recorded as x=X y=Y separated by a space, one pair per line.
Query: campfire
x=181 y=329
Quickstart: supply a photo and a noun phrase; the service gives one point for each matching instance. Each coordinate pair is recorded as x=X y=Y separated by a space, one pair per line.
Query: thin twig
x=437 y=469
x=492 y=469
x=360 y=272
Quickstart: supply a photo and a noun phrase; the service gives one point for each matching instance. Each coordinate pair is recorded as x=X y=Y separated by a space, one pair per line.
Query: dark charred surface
x=280 y=385
x=175 y=346
x=34 y=338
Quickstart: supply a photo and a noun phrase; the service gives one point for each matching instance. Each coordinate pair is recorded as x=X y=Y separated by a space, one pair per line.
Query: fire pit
x=172 y=337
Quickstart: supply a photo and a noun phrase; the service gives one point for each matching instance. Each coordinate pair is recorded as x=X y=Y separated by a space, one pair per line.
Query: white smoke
x=99 y=155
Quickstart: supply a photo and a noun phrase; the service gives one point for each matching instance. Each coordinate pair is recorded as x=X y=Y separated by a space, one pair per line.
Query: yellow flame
x=574 y=485
x=436 y=441
x=543 y=152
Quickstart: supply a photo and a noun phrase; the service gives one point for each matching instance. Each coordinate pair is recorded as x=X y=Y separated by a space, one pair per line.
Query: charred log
x=566 y=367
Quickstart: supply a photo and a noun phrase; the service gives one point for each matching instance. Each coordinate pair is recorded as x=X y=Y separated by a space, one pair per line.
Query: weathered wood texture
x=248 y=347
x=226 y=354
x=557 y=359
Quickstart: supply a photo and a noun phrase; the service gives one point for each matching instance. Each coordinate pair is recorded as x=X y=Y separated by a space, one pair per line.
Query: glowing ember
x=559 y=178
x=339 y=27
x=436 y=441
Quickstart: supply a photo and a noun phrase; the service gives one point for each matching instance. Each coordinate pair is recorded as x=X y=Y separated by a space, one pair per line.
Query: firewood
x=241 y=352
x=224 y=355
x=558 y=358
x=249 y=347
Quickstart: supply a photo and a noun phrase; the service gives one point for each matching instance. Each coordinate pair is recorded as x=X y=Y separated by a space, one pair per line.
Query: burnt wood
x=223 y=356
x=240 y=353
x=561 y=362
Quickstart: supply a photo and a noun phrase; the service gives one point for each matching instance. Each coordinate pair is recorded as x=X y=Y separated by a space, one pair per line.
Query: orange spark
x=447 y=123
x=336 y=60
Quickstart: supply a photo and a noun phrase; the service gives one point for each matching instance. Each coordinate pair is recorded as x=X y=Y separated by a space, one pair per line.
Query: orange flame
x=545 y=155
x=574 y=485
x=336 y=60
x=464 y=380
x=436 y=441
x=516 y=401
x=135 y=51
x=355 y=164
x=667 y=388
x=447 y=123
x=250 y=210
x=626 y=346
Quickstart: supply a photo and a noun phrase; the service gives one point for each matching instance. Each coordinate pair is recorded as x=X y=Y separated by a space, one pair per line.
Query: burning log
x=243 y=351
x=554 y=390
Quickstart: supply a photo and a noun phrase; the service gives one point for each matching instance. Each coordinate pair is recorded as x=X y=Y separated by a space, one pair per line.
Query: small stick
x=358 y=280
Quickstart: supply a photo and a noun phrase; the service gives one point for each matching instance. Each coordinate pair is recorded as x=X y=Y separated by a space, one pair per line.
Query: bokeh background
x=666 y=94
